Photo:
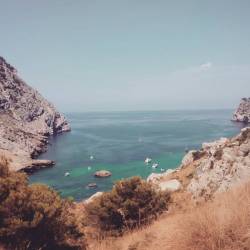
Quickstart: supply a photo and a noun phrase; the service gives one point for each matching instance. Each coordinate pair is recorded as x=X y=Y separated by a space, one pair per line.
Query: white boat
x=147 y=160
x=67 y=174
x=91 y=157
x=155 y=165
x=89 y=168
x=162 y=169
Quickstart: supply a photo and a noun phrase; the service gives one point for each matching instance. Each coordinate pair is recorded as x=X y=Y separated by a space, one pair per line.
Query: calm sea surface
x=120 y=142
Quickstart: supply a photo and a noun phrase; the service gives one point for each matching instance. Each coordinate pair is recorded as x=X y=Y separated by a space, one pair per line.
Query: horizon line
x=145 y=110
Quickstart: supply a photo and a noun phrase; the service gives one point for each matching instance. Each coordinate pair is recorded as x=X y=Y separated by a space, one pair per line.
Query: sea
x=121 y=141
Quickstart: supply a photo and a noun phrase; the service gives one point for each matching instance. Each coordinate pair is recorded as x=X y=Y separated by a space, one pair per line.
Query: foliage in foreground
x=221 y=224
x=131 y=203
x=35 y=217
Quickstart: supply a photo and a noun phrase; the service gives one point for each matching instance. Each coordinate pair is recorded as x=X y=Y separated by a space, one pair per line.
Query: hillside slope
x=26 y=119
x=222 y=224
x=216 y=167
x=210 y=207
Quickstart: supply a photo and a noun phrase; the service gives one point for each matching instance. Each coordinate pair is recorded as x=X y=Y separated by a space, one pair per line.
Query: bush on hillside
x=131 y=203
x=35 y=217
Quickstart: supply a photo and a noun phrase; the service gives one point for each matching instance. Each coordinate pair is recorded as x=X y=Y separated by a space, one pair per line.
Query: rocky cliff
x=216 y=167
x=26 y=120
x=242 y=114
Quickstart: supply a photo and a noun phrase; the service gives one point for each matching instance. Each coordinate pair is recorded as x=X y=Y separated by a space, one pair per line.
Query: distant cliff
x=242 y=114
x=26 y=120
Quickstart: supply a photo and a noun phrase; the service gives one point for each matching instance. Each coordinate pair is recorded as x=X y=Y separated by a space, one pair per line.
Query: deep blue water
x=120 y=142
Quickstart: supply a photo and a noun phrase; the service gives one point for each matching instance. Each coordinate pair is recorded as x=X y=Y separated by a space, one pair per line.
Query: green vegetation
x=131 y=203
x=35 y=217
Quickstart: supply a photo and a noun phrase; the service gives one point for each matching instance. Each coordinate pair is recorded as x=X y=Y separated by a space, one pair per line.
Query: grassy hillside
x=222 y=224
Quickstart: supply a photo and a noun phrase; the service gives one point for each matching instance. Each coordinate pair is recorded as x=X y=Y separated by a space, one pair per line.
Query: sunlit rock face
x=26 y=118
x=226 y=162
x=242 y=114
x=216 y=167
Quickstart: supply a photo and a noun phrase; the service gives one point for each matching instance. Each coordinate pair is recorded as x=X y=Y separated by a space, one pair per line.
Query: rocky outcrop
x=93 y=197
x=102 y=174
x=24 y=163
x=26 y=119
x=242 y=114
x=216 y=167
x=171 y=186
x=191 y=156
x=225 y=163
x=154 y=177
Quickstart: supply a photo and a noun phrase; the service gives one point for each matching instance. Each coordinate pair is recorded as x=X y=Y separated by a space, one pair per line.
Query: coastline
x=26 y=122
x=164 y=137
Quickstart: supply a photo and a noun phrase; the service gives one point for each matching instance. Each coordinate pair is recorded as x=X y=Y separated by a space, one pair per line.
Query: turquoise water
x=120 y=142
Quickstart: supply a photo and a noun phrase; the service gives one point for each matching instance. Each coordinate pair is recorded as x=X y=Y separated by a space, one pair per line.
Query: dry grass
x=223 y=224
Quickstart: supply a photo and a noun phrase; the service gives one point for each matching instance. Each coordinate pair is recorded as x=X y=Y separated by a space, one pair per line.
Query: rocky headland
x=26 y=121
x=215 y=168
x=242 y=114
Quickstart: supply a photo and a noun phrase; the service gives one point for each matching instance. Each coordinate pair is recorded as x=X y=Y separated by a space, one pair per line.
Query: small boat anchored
x=147 y=160
x=92 y=185
x=155 y=165
x=91 y=157
x=66 y=174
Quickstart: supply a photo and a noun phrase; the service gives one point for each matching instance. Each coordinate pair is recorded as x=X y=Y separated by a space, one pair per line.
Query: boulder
x=171 y=185
x=92 y=185
x=154 y=177
x=93 y=197
x=102 y=173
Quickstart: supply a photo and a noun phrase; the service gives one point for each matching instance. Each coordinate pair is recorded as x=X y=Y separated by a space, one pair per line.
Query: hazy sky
x=130 y=55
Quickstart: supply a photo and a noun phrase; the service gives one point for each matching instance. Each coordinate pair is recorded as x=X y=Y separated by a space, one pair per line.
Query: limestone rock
x=24 y=163
x=102 y=173
x=26 y=104
x=92 y=185
x=242 y=114
x=214 y=145
x=225 y=163
x=190 y=157
x=171 y=185
x=154 y=177
x=26 y=118
x=93 y=197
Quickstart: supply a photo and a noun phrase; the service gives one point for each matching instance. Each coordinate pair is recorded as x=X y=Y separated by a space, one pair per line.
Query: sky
x=113 y=55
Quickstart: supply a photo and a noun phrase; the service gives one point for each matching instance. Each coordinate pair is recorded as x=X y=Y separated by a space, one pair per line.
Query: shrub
x=35 y=217
x=132 y=202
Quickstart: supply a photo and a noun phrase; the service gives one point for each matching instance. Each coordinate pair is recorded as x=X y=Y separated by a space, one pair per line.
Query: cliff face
x=225 y=163
x=26 y=118
x=242 y=114
x=216 y=167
